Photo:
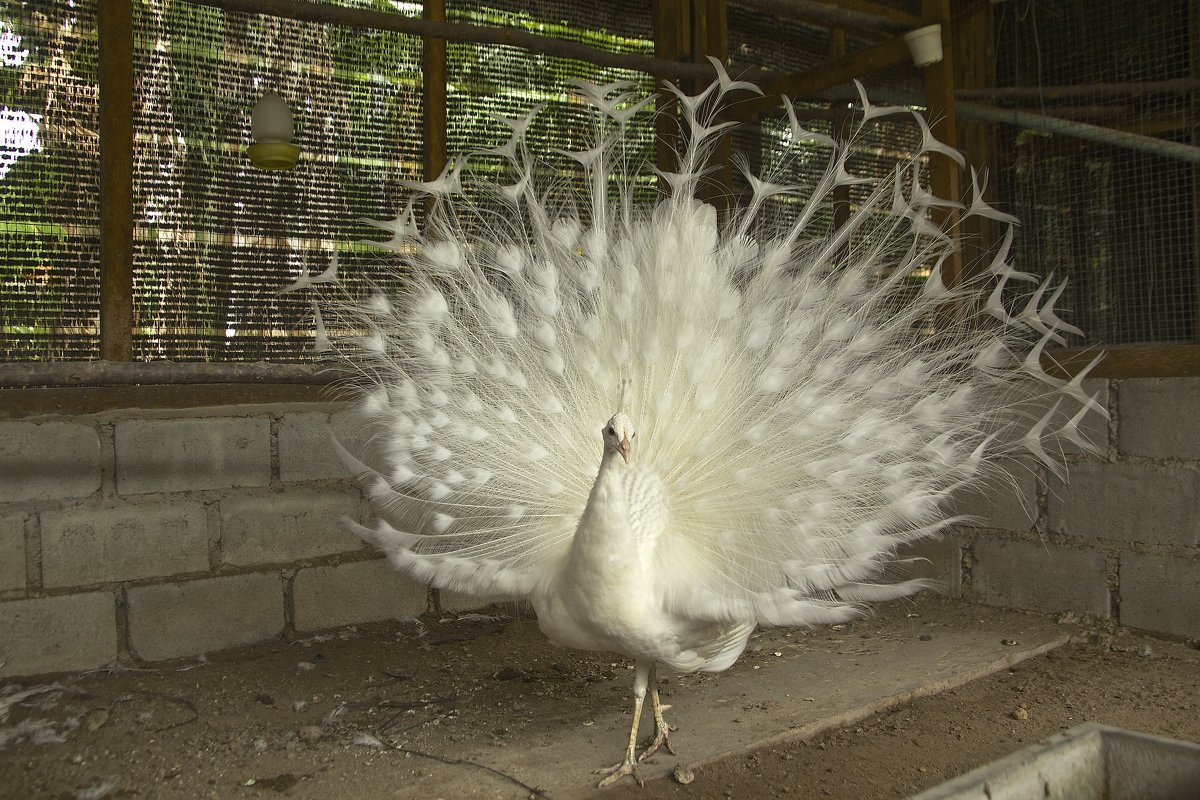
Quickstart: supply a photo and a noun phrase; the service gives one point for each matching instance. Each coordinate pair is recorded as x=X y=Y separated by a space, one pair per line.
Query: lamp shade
x=272 y=128
x=925 y=45
x=271 y=120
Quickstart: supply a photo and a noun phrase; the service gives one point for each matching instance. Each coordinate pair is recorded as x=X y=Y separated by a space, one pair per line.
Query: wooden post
x=839 y=128
x=434 y=80
x=115 y=30
x=710 y=37
x=1194 y=70
x=672 y=37
x=945 y=178
x=974 y=51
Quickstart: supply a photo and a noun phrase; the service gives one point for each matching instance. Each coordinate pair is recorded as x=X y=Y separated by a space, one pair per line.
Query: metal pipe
x=1037 y=122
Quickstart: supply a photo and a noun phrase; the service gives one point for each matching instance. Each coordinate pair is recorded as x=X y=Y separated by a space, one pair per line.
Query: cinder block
x=57 y=634
x=1039 y=576
x=938 y=559
x=193 y=617
x=12 y=552
x=1159 y=417
x=306 y=451
x=48 y=460
x=362 y=591
x=288 y=526
x=1000 y=503
x=81 y=546
x=175 y=455
x=1128 y=502
x=1160 y=593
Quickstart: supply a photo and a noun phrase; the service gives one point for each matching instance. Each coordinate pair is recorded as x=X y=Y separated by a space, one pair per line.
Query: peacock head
x=618 y=435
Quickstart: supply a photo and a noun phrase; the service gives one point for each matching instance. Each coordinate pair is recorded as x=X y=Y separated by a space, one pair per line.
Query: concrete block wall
x=137 y=536
x=1119 y=539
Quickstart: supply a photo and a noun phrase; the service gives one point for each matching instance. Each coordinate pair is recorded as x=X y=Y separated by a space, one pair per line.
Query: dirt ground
x=384 y=710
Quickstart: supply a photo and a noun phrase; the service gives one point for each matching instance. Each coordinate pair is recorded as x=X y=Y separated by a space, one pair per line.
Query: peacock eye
x=609 y=430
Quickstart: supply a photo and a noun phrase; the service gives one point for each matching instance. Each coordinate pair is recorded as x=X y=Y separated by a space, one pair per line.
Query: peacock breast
x=648 y=504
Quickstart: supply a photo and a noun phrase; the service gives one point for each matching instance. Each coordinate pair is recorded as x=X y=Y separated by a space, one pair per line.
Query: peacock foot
x=661 y=738
x=662 y=732
x=614 y=774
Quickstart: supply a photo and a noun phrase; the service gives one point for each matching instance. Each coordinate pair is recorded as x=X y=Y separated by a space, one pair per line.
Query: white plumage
x=663 y=426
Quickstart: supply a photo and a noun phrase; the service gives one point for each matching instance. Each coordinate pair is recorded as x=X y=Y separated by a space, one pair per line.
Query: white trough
x=1087 y=762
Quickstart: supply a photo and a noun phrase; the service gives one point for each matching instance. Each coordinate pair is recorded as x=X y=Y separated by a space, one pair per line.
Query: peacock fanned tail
x=810 y=397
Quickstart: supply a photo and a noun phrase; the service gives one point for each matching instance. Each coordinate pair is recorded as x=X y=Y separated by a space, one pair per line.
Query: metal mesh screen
x=216 y=238
x=1121 y=224
x=49 y=181
x=763 y=41
x=484 y=80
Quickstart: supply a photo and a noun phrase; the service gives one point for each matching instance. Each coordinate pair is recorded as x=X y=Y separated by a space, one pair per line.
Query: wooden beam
x=461 y=32
x=1144 y=361
x=840 y=128
x=856 y=15
x=115 y=31
x=434 y=79
x=973 y=51
x=811 y=82
x=945 y=177
x=672 y=40
x=710 y=37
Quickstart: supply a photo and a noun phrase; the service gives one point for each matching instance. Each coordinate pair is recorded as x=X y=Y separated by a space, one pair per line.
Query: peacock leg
x=628 y=765
x=662 y=730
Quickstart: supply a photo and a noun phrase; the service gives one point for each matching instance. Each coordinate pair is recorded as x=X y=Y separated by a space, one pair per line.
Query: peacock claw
x=660 y=739
x=614 y=774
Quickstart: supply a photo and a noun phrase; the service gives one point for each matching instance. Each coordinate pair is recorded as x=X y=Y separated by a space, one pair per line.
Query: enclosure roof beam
x=837 y=72
x=858 y=15
x=326 y=13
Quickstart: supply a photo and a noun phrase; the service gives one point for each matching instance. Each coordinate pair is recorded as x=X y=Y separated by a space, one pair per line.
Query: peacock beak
x=623 y=448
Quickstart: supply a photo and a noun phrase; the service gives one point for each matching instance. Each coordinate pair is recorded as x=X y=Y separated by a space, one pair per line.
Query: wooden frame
x=685 y=32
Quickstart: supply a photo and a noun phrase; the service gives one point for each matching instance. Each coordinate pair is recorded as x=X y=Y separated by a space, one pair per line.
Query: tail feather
x=809 y=396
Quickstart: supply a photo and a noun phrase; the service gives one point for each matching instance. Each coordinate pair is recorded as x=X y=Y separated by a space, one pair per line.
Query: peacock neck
x=605 y=518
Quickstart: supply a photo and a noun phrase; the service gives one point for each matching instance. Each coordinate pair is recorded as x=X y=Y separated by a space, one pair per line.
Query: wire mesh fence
x=1120 y=224
x=215 y=238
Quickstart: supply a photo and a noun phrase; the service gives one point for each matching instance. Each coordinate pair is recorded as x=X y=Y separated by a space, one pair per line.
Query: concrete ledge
x=135 y=540
x=56 y=634
x=185 y=619
x=1161 y=593
x=288 y=526
x=175 y=455
x=1018 y=574
x=48 y=460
